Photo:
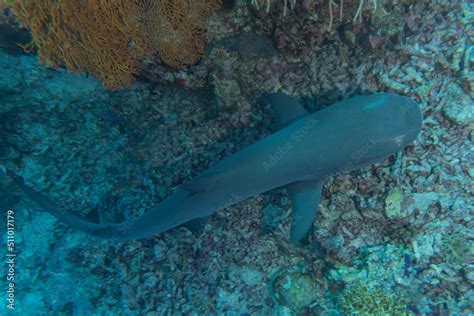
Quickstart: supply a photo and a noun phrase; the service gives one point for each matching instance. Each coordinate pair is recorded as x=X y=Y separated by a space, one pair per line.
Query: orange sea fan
x=181 y=30
x=109 y=38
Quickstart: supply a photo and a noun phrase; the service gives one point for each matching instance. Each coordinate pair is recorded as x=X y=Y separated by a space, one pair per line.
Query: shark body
x=306 y=149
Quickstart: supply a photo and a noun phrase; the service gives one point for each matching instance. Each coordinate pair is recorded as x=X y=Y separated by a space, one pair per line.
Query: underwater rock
x=446 y=248
x=226 y=91
x=273 y=217
x=249 y=45
x=279 y=310
x=229 y=301
x=385 y=17
x=460 y=114
x=387 y=265
x=334 y=242
x=422 y=201
x=347 y=274
x=295 y=290
x=245 y=274
x=160 y=250
x=426 y=245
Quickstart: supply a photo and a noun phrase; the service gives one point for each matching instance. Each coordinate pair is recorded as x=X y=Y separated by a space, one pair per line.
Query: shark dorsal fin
x=286 y=108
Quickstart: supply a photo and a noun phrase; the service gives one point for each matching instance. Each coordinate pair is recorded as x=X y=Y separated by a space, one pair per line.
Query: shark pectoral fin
x=305 y=197
x=304 y=194
x=286 y=108
x=196 y=226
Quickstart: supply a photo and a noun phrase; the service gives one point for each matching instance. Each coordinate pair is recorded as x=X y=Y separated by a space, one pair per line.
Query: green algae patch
x=393 y=204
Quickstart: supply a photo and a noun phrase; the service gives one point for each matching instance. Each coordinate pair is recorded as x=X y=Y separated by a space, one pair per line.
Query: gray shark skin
x=307 y=149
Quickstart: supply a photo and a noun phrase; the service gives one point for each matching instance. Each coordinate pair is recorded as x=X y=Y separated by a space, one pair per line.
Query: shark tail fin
x=92 y=227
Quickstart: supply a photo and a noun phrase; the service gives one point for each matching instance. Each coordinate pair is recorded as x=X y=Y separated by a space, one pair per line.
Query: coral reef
x=361 y=300
x=181 y=30
x=294 y=290
x=110 y=39
x=399 y=229
x=393 y=204
x=334 y=8
x=4 y=7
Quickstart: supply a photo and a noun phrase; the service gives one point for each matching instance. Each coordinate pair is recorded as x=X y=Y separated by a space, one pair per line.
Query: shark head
x=363 y=130
x=395 y=122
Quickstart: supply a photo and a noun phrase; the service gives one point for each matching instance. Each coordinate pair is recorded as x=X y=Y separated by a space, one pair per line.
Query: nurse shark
x=300 y=155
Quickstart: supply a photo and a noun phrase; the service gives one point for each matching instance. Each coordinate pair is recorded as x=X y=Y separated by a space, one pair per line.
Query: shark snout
x=399 y=119
x=412 y=115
